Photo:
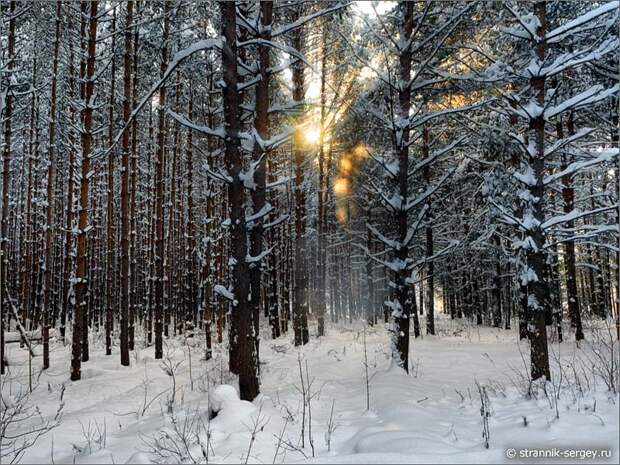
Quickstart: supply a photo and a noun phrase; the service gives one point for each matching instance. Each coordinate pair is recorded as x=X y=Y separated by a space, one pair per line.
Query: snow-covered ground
x=432 y=415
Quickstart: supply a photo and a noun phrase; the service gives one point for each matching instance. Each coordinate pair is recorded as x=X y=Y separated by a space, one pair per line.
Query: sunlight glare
x=341 y=214
x=341 y=186
x=345 y=166
x=312 y=135
x=360 y=151
x=366 y=6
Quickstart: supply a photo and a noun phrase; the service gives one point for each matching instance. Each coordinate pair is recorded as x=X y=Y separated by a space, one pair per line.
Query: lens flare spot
x=345 y=165
x=312 y=135
x=360 y=151
x=341 y=214
x=341 y=186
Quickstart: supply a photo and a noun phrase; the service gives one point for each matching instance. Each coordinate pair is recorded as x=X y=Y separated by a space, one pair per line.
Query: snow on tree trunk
x=241 y=314
x=79 y=351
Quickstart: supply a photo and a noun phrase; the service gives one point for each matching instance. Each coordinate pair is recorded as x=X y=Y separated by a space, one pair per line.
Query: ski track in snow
x=430 y=416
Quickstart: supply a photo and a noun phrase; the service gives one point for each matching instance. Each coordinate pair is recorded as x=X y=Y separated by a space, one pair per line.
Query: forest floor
x=432 y=415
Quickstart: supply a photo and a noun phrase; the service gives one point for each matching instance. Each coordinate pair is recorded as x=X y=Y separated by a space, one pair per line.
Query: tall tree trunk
x=536 y=257
x=26 y=266
x=404 y=292
x=133 y=224
x=300 y=300
x=6 y=162
x=508 y=304
x=159 y=192
x=150 y=311
x=322 y=193
x=615 y=141
x=275 y=258
x=81 y=275
x=110 y=230
x=124 y=303
x=262 y=126
x=190 y=248
x=170 y=263
x=51 y=172
x=241 y=317
x=370 y=304
x=210 y=247
x=430 y=267
x=568 y=195
x=68 y=243
x=497 y=284
x=33 y=263
x=286 y=269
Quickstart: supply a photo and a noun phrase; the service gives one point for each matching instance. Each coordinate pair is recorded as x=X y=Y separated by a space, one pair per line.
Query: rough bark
x=570 y=268
x=430 y=267
x=497 y=284
x=126 y=149
x=300 y=299
x=615 y=139
x=536 y=257
x=51 y=173
x=68 y=242
x=159 y=193
x=241 y=316
x=190 y=247
x=262 y=126
x=6 y=161
x=404 y=292
x=322 y=193
x=110 y=232
x=81 y=274
x=133 y=251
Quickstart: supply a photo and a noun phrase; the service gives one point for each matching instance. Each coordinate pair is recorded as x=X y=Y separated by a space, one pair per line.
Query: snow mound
x=228 y=411
x=222 y=395
x=402 y=442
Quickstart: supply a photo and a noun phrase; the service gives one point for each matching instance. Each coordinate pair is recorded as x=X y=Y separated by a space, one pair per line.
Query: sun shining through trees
x=312 y=135
x=214 y=211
